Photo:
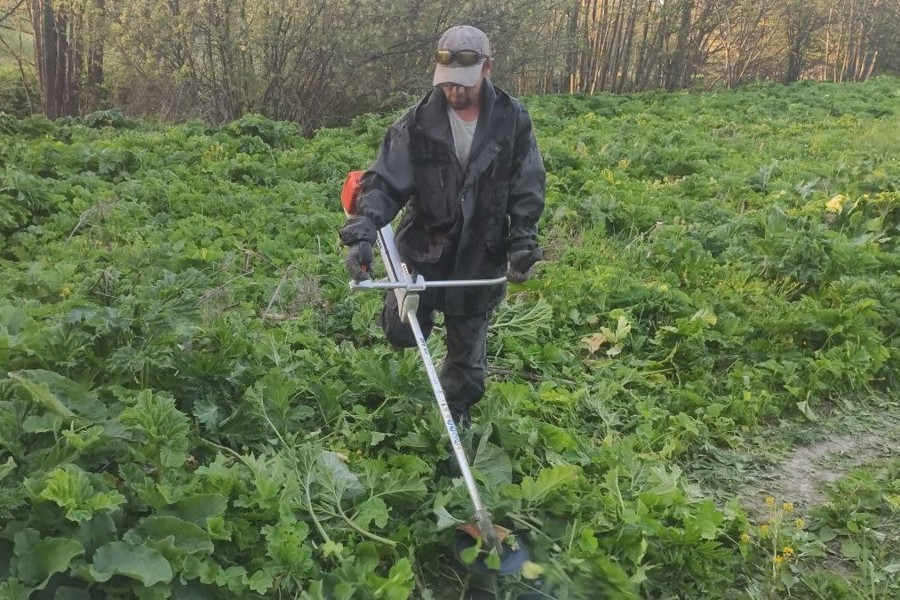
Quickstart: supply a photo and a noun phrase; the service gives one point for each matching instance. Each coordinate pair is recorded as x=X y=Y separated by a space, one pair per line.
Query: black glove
x=520 y=264
x=359 y=260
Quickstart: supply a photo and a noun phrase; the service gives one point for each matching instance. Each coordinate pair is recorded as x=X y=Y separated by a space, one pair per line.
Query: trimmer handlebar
x=420 y=284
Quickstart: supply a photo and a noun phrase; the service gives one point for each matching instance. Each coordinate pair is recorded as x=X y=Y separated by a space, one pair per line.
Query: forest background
x=318 y=63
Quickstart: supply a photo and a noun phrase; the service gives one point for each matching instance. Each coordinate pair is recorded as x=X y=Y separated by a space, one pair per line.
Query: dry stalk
x=101 y=208
x=277 y=291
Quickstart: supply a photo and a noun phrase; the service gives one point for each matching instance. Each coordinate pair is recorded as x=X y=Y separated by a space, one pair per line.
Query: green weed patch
x=192 y=404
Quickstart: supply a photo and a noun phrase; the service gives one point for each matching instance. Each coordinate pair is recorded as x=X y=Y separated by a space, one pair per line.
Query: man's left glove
x=521 y=263
x=359 y=260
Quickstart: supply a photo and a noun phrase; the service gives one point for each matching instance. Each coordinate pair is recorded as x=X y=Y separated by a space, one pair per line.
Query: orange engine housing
x=351 y=191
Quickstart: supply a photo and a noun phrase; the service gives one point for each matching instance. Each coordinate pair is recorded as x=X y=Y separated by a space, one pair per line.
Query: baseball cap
x=461 y=37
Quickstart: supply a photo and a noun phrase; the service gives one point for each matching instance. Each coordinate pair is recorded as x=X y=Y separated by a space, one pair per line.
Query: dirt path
x=803 y=477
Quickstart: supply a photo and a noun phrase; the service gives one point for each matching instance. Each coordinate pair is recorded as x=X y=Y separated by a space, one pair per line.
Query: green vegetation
x=192 y=404
x=16 y=98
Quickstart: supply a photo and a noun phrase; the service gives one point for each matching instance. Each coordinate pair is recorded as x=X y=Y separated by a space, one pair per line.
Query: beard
x=459 y=98
x=459 y=102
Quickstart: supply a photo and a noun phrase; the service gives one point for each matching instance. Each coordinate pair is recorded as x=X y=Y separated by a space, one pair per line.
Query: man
x=465 y=166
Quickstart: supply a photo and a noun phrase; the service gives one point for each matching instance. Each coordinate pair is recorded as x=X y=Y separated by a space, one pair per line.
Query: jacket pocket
x=417 y=243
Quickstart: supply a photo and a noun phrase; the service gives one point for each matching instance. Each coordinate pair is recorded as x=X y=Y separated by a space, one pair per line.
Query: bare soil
x=804 y=476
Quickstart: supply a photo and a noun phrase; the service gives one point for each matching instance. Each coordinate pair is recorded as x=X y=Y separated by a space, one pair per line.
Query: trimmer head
x=512 y=555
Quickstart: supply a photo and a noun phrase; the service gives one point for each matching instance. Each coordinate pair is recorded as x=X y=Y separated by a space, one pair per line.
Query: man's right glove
x=359 y=260
x=521 y=263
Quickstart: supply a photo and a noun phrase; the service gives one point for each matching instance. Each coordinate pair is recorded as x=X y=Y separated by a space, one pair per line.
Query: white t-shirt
x=463 y=134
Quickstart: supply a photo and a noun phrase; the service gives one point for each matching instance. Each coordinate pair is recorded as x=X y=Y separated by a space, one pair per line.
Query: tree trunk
x=42 y=40
x=68 y=55
x=95 y=57
x=573 y=43
x=50 y=56
x=676 y=75
x=643 y=50
x=627 y=55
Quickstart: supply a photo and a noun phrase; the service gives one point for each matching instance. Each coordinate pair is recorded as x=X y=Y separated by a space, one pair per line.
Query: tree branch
x=12 y=11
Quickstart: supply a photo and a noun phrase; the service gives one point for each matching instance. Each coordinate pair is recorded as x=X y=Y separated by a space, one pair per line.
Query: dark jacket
x=457 y=224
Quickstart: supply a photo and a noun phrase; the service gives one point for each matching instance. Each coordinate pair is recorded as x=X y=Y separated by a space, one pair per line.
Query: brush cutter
x=407 y=287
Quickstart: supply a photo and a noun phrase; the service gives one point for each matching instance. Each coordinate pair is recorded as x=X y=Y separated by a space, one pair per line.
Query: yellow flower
x=66 y=291
x=745 y=537
x=778 y=559
x=787 y=551
x=764 y=529
x=836 y=204
x=770 y=501
x=799 y=523
x=788 y=507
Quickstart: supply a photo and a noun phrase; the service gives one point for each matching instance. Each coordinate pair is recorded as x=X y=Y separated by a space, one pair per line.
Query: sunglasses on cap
x=464 y=58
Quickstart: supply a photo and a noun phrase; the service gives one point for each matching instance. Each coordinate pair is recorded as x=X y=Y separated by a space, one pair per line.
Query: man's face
x=460 y=97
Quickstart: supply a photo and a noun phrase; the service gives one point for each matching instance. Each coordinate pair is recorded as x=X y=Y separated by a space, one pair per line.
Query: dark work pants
x=462 y=372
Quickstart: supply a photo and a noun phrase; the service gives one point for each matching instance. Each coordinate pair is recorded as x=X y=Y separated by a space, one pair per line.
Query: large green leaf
x=398 y=484
x=73 y=489
x=549 y=480
x=59 y=394
x=401 y=488
x=399 y=583
x=492 y=461
x=12 y=319
x=340 y=481
x=444 y=519
x=186 y=536
x=135 y=561
x=665 y=482
x=40 y=394
x=164 y=428
x=99 y=530
x=704 y=522
x=373 y=510
x=38 y=560
x=197 y=509
x=13 y=589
